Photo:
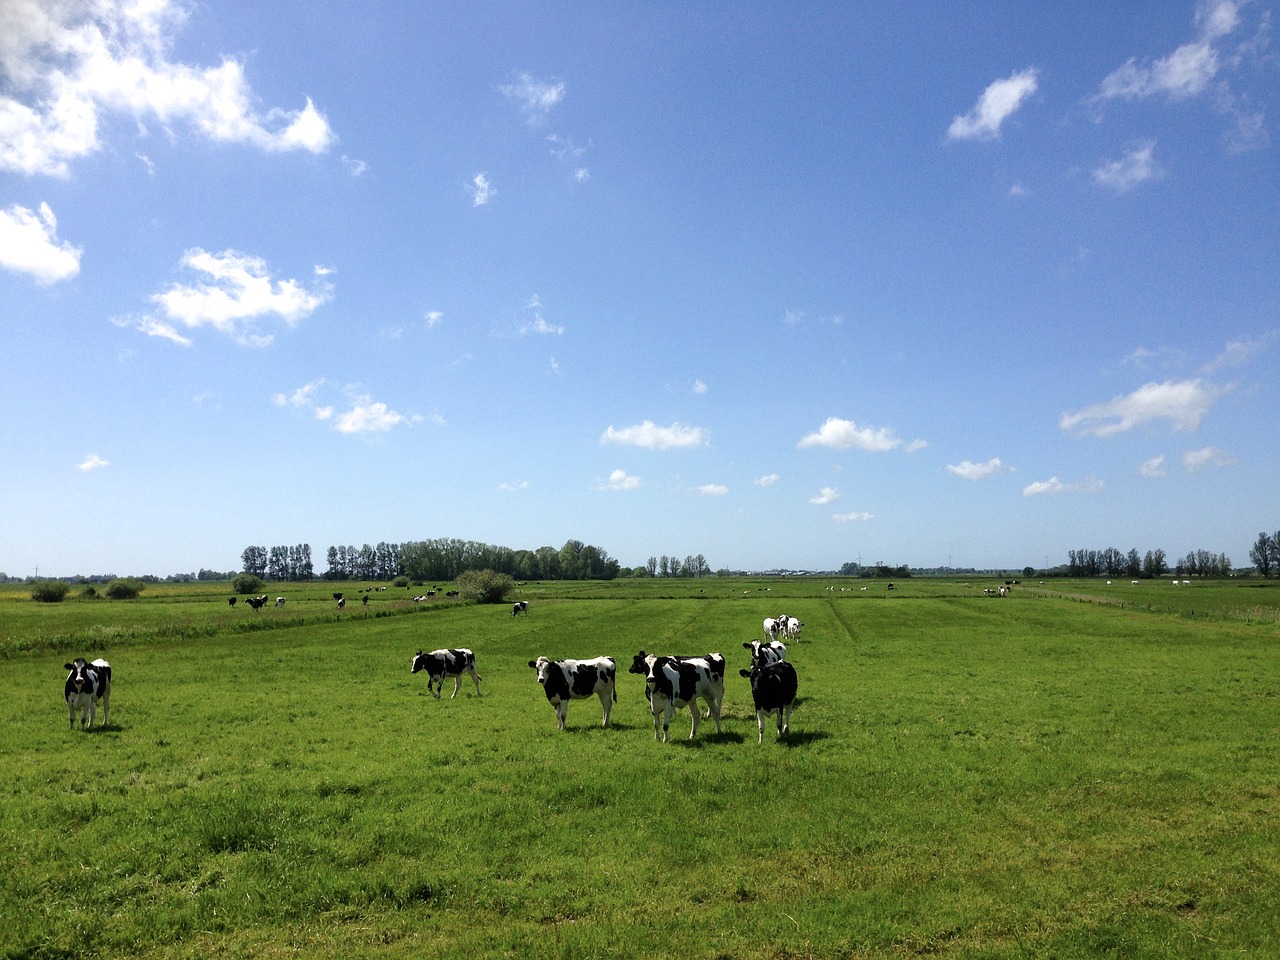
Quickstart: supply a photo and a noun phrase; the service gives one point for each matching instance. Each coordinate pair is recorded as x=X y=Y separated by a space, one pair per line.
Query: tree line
x=278 y=563
x=1265 y=553
x=1154 y=563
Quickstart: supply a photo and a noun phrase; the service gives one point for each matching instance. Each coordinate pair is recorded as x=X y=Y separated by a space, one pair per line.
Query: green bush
x=485 y=586
x=400 y=581
x=89 y=593
x=123 y=589
x=246 y=583
x=48 y=591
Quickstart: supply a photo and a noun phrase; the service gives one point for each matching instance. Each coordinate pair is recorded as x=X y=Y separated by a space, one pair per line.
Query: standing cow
x=440 y=664
x=773 y=690
x=565 y=680
x=88 y=684
x=674 y=682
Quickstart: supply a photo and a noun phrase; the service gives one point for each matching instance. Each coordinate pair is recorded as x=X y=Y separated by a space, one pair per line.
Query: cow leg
x=475 y=678
x=457 y=685
x=106 y=702
x=784 y=722
x=71 y=712
x=760 y=724
x=562 y=713
x=436 y=686
x=697 y=715
x=605 y=702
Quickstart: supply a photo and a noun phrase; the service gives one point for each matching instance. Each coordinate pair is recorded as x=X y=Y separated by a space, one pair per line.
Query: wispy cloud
x=699 y=387
x=1137 y=166
x=511 y=486
x=72 y=66
x=1153 y=468
x=1054 y=485
x=839 y=434
x=482 y=191
x=998 y=102
x=768 y=480
x=536 y=98
x=855 y=516
x=619 y=480
x=433 y=318
x=236 y=294
x=1241 y=351
x=92 y=462
x=824 y=496
x=1183 y=403
x=29 y=244
x=713 y=489
x=978 y=471
x=365 y=415
x=357 y=168
x=653 y=437
x=1194 y=460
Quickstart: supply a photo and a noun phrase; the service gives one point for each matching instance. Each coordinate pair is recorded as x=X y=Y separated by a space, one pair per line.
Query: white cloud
x=92 y=462
x=482 y=191
x=1137 y=166
x=1239 y=352
x=1187 y=71
x=852 y=517
x=699 y=387
x=713 y=489
x=434 y=317
x=539 y=325
x=69 y=66
x=29 y=244
x=978 y=471
x=1153 y=468
x=619 y=480
x=1184 y=403
x=1194 y=460
x=824 y=496
x=768 y=480
x=653 y=437
x=368 y=416
x=842 y=434
x=1054 y=485
x=998 y=102
x=535 y=98
x=158 y=328
x=358 y=168
x=301 y=399
x=237 y=294
x=513 y=485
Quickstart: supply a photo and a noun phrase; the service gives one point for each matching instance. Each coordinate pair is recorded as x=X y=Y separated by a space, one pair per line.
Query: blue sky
x=781 y=284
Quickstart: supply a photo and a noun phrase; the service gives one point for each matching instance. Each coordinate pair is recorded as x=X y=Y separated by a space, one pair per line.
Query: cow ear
x=533 y=664
x=67 y=666
x=747 y=645
x=744 y=673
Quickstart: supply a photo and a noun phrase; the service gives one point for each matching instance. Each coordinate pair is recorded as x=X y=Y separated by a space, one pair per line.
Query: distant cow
x=279 y=601
x=337 y=596
x=88 y=684
x=773 y=689
x=341 y=602
x=565 y=680
x=674 y=682
x=440 y=664
x=791 y=627
x=231 y=601
x=772 y=627
x=256 y=602
x=520 y=606
x=764 y=653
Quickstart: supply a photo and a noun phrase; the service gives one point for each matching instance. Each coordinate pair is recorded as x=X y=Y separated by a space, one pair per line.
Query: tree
x=651 y=566
x=485 y=586
x=1263 y=554
x=48 y=591
x=254 y=560
x=123 y=589
x=243 y=583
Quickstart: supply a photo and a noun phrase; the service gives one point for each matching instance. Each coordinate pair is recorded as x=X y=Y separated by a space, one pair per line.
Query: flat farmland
x=1073 y=771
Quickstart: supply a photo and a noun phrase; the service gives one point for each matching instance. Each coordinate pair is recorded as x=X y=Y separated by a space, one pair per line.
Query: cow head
x=419 y=662
x=80 y=678
x=543 y=666
x=640 y=664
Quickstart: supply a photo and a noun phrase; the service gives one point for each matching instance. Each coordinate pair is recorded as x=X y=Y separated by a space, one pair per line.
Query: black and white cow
x=565 y=680
x=441 y=664
x=231 y=601
x=279 y=601
x=88 y=684
x=674 y=682
x=773 y=690
x=256 y=602
x=764 y=653
x=520 y=606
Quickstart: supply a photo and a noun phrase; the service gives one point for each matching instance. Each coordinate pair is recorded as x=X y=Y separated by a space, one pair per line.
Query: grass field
x=1074 y=771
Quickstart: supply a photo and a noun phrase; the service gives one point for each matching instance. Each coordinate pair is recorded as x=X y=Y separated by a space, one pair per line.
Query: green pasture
x=1073 y=771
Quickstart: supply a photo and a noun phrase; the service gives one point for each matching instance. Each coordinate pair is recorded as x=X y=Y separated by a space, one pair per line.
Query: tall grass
x=966 y=777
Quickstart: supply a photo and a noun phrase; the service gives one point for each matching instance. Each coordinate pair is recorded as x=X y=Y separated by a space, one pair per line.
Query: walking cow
x=88 y=684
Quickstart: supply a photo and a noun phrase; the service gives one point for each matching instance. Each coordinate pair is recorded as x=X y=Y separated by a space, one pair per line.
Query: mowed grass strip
x=966 y=777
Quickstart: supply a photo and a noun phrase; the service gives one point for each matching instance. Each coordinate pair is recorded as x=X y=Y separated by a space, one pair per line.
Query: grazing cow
x=231 y=601
x=279 y=601
x=673 y=682
x=565 y=680
x=440 y=664
x=342 y=602
x=337 y=596
x=256 y=602
x=365 y=599
x=87 y=685
x=773 y=690
x=520 y=606
x=762 y=653
x=791 y=628
x=771 y=628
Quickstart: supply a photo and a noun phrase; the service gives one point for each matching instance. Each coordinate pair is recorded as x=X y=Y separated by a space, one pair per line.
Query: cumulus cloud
x=842 y=434
x=713 y=489
x=71 y=66
x=824 y=496
x=1194 y=460
x=619 y=480
x=852 y=517
x=1187 y=71
x=29 y=244
x=365 y=415
x=536 y=98
x=92 y=462
x=654 y=437
x=998 y=102
x=978 y=471
x=236 y=294
x=1183 y=403
x=1054 y=485
x=1137 y=166
x=768 y=480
